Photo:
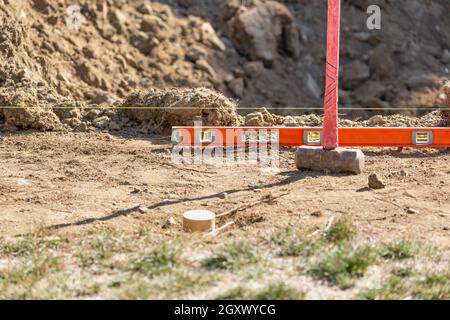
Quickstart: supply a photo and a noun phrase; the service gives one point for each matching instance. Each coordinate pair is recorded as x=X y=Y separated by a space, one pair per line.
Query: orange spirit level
x=311 y=136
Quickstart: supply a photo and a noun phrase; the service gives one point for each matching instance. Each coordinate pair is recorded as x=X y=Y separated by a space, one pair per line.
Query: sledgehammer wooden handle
x=330 y=138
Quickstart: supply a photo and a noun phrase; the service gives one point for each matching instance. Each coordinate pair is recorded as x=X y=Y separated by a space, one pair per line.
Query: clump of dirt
x=263 y=118
x=35 y=107
x=446 y=102
x=180 y=107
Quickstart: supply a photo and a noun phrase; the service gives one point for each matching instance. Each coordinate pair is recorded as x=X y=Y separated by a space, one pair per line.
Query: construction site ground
x=115 y=198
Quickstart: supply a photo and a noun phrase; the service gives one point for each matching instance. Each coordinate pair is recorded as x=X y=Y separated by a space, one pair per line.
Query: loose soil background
x=263 y=53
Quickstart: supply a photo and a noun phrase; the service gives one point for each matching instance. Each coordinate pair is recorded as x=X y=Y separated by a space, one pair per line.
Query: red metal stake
x=330 y=134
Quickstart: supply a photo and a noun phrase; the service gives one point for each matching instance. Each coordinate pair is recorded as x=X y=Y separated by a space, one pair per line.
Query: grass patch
x=140 y=289
x=398 y=250
x=31 y=271
x=297 y=246
x=231 y=256
x=161 y=259
x=101 y=248
x=393 y=288
x=434 y=286
x=429 y=286
x=341 y=231
x=342 y=265
x=292 y=244
x=273 y=291
x=184 y=280
x=29 y=245
x=238 y=293
x=279 y=291
x=173 y=285
x=18 y=282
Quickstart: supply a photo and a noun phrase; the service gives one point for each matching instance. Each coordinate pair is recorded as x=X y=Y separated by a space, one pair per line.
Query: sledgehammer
x=331 y=158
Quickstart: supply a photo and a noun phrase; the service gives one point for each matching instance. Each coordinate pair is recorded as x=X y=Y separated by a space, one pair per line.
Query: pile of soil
x=264 y=118
x=181 y=107
x=62 y=64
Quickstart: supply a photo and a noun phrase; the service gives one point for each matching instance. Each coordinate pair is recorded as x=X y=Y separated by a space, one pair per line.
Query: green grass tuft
x=279 y=291
x=434 y=286
x=231 y=256
x=342 y=265
x=341 y=231
x=398 y=250
x=273 y=291
x=163 y=258
x=394 y=288
x=29 y=245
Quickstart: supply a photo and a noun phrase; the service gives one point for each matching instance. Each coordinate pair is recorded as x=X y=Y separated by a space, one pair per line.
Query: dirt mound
x=263 y=117
x=180 y=107
x=265 y=53
x=34 y=106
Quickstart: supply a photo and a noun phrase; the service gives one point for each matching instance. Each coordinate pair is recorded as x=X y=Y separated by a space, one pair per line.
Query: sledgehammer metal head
x=334 y=161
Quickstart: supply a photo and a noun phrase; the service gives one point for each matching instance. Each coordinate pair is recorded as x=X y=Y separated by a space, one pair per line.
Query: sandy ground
x=73 y=183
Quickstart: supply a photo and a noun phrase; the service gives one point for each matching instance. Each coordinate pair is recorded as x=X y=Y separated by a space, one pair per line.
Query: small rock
x=145 y=8
x=403 y=173
x=253 y=68
x=446 y=57
x=100 y=122
x=238 y=72
x=210 y=35
x=114 y=126
x=172 y=196
x=135 y=190
x=237 y=86
x=117 y=19
x=377 y=120
x=223 y=195
x=258 y=30
x=195 y=53
x=143 y=209
x=145 y=82
x=90 y=52
x=72 y=122
x=205 y=66
x=292 y=41
x=170 y=222
x=102 y=98
x=375 y=182
x=93 y=114
x=412 y=211
x=317 y=213
x=90 y=74
x=141 y=41
x=355 y=73
x=228 y=78
x=82 y=127
x=155 y=26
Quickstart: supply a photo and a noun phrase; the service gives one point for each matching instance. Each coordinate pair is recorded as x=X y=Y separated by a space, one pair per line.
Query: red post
x=330 y=134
